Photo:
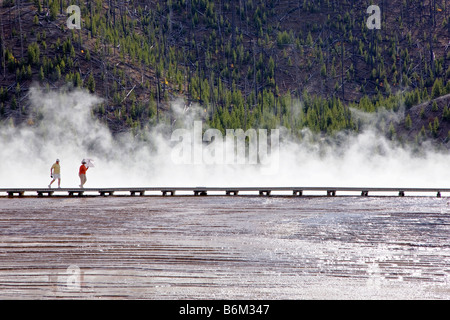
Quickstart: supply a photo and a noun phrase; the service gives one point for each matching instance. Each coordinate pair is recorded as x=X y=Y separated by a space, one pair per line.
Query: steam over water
x=64 y=128
x=215 y=247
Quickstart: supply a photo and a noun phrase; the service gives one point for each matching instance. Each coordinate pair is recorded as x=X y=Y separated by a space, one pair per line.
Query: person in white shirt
x=55 y=173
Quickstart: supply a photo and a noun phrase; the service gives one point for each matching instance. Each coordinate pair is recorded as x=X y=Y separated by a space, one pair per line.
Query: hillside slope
x=248 y=63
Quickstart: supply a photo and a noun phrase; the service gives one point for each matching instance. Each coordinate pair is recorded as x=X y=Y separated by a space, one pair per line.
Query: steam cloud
x=66 y=129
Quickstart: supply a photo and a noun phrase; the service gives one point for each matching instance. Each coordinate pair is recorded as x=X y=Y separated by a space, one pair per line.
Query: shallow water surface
x=220 y=247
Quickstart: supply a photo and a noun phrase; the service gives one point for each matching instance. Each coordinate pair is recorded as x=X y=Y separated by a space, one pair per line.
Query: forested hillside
x=247 y=63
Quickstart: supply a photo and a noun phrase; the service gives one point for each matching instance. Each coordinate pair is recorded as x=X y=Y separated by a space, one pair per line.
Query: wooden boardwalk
x=229 y=191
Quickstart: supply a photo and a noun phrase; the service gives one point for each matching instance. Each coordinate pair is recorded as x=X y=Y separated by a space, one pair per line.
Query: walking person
x=82 y=173
x=55 y=173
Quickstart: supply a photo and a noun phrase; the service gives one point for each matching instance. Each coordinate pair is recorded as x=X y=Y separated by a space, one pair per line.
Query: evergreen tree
x=408 y=122
x=90 y=83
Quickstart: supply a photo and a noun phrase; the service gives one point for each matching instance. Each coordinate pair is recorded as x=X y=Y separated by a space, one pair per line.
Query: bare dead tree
x=3 y=48
x=432 y=26
x=18 y=3
x=342 y=68
x=233 y=23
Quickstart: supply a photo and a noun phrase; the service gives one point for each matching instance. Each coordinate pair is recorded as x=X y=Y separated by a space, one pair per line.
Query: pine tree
x=422 y=113
x=446 y=114
x=434 y=107
x=91 y=83
x=391 y=132
x=57 y=73
x=77 y=81
x=436 y=126
x=438 y=89
x=408 y=122
x=13 y=103
x=54 y=10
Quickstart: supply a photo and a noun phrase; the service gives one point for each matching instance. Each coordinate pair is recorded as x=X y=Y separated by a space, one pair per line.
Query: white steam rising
x=66 y=129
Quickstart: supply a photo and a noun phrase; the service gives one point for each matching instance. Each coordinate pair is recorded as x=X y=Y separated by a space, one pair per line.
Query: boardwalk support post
x=80 y=193
x=11 y=193
x=41 y=193
x=133 y=192
x=331 y=193
x=103 y=193
x=266 y=192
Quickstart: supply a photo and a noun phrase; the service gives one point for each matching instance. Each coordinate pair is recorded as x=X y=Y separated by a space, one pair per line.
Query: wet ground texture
x=225 y=248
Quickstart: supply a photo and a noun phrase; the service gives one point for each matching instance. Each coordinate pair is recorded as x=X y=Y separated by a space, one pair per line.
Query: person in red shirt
x=82 y=173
